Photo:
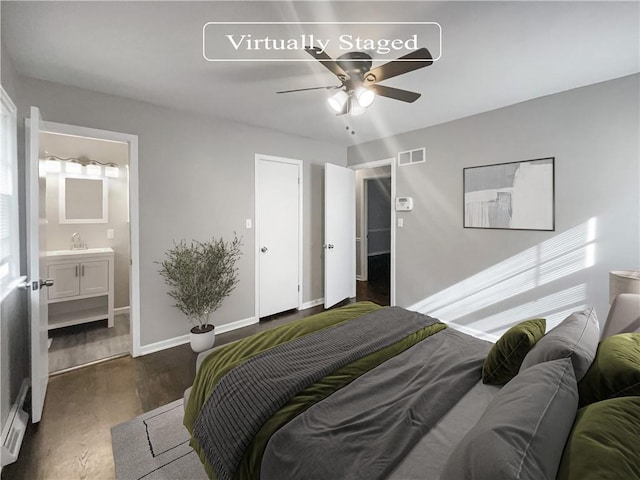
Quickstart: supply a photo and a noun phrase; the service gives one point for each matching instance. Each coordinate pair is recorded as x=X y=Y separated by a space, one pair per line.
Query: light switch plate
x=400 y=222
x=247 y=223
x=111 y=234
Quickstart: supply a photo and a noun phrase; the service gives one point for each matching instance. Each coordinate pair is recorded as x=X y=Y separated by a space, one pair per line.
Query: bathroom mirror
x=83 y=199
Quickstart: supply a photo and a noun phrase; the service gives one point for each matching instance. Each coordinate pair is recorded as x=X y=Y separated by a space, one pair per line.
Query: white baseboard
x=163 y=345
x=224 y=328
x=227 y=327
x=15 y=427
x=312 y=303
x=181 y=340
x=121 y=310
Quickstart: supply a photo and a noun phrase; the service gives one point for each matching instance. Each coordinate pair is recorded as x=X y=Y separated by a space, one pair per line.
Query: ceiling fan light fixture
x=365 y=96
x=356 y=109
x=338 y=100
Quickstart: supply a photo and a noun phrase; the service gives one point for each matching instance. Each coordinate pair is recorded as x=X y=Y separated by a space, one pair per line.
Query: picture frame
x=510 y=196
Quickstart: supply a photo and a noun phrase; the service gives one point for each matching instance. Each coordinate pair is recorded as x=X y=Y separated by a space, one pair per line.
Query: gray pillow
x=522 y=432
x=576 y=337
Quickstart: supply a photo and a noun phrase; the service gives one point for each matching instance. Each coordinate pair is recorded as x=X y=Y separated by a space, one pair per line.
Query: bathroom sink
x=84 y=251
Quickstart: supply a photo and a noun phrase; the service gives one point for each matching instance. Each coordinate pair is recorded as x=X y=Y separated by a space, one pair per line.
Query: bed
x=365 y=392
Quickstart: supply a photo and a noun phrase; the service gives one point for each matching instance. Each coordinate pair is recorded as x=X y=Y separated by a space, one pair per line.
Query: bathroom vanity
x=82 y=291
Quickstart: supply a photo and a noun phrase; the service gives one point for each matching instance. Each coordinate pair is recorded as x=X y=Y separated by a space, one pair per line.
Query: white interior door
x=339 y=234
x=278 y=211
x=36 y=259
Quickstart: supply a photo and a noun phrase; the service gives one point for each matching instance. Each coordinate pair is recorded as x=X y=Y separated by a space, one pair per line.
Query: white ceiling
x=493 y=54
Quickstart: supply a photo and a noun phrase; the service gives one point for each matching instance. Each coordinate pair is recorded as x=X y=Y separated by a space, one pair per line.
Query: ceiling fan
x=359 y=82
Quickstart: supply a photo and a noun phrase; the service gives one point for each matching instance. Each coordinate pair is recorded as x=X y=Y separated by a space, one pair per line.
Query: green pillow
x=506 y=355
x=604 y=442
x=615 y=372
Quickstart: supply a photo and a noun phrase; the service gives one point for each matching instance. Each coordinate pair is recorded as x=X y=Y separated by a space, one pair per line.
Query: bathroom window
x=9 y=246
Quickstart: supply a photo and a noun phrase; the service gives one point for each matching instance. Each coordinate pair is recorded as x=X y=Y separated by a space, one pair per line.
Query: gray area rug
x=155 y=446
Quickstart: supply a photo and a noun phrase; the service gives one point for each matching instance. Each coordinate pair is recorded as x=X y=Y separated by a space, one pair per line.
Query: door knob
x=46 y=283
x=264 y=249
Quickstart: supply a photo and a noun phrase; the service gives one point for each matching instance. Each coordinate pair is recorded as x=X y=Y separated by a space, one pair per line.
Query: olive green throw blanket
x=220 y=363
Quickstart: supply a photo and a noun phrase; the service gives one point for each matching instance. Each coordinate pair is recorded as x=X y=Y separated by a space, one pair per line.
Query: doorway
x=375 y=232
x=37 y=253
x=87 y=206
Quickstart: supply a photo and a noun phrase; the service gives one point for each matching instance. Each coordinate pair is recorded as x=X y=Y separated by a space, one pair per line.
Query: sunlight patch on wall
x=551 y=260
x=554 y=308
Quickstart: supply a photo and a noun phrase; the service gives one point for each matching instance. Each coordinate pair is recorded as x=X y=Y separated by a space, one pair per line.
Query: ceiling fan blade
x=311 y=88
x=395 y=93
x=409 y=62
x=328 y=62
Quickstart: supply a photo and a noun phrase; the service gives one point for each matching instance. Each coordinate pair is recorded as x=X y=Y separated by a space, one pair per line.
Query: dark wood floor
x=73 y=439
x=369 y=291
x=378 y=285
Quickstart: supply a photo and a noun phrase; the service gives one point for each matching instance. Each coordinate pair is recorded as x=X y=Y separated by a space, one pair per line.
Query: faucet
x=75 y=241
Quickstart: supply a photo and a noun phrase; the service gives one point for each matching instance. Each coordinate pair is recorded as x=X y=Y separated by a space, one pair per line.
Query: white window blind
x=9 y=241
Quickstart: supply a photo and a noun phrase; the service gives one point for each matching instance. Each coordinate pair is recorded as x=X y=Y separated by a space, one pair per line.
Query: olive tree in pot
x=200 y=276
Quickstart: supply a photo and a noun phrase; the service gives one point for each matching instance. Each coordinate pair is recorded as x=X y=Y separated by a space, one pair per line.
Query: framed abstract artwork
x=513 y=196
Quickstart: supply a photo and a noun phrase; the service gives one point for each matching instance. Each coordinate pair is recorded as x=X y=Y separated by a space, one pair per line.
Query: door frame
x=256 y=233
x=383 y=163
x=134 y=218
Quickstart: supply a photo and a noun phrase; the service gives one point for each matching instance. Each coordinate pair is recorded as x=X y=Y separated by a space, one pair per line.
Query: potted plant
x=200 y=276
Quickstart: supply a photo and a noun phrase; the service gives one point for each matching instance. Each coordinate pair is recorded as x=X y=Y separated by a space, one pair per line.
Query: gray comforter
x=366 y=429
x=250 y=393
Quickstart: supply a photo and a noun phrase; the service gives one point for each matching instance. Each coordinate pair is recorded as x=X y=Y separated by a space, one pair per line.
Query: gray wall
x=489 y=279
x=8 y=75
x=14 y=349
x=93 y=234
x=189 y=167
x=14 y=343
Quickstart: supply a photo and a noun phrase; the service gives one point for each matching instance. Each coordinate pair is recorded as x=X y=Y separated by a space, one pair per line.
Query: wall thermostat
x=404 y=204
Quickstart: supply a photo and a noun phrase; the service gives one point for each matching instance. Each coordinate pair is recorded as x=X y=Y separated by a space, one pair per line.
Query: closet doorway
x=375 y=232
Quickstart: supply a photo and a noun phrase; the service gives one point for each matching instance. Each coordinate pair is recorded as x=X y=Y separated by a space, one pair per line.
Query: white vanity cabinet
x=78 y=278
x=82 y=288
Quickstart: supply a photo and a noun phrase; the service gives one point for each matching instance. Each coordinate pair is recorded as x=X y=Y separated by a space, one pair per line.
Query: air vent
x=11 y=446
x=14 y=428
x=410 y=157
